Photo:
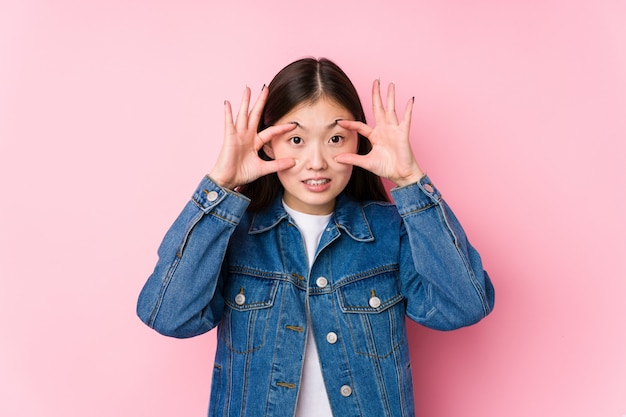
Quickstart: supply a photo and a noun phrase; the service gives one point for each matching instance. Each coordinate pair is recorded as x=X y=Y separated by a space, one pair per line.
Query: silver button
x=240 y=299
x=374 y=302
x=331 y=337
x=321 y=282
x=346 y=390
x=429 y=188
x=212 y=195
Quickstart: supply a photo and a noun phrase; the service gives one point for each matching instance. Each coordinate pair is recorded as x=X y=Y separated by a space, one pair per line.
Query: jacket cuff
x=210 y=197
x=416 y=197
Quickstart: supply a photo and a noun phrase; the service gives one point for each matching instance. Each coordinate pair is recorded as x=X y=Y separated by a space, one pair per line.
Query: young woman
x=292 y=249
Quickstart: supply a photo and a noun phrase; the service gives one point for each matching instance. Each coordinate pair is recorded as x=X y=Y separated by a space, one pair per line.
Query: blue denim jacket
x=248 y=274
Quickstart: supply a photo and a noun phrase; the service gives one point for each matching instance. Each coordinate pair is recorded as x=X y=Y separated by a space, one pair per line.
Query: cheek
x=279 y=150
x=354 y=143
x=342 y=169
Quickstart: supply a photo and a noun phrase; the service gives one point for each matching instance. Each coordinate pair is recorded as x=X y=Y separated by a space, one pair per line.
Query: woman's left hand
x=391 y=156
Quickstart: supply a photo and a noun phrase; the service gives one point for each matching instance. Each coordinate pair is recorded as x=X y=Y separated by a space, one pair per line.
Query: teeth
x=316 y=182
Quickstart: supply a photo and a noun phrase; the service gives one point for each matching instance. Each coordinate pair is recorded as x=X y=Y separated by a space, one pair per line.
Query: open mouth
x=321 y=181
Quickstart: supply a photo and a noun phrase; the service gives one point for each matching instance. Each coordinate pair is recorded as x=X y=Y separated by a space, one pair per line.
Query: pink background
x=111 y=111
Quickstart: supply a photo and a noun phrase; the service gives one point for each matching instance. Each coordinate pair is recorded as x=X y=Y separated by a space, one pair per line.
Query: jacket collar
x=348 y=215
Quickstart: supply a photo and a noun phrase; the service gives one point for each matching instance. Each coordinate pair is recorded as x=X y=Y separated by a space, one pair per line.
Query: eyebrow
x=330 y=126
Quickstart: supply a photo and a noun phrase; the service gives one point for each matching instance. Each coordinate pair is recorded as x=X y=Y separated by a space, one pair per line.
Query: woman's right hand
x=238 y=162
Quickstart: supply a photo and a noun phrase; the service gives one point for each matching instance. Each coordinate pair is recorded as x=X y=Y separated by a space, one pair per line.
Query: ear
x=267 y=148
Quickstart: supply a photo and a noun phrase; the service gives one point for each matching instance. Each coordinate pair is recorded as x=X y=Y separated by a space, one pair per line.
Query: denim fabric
x=249 y=276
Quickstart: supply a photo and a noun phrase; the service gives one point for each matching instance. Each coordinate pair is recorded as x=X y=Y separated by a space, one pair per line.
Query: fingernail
x=263 y=88
x=413 y=99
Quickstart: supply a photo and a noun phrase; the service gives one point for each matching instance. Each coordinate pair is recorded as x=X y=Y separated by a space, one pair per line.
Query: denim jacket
x=248 y=274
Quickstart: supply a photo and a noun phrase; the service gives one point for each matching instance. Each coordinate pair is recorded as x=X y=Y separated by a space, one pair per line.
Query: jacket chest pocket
x=248 y=302
x=374 y=311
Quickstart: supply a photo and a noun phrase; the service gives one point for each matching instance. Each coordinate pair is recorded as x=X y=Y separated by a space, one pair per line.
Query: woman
x=292 y=249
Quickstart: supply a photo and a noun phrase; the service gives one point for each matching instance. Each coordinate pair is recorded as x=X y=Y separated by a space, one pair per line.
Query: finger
x=358 y=127
x=352 y=159
x=228 y=117
x=361 y=161
x=408 y=112
x=269 y=133
x=377 y=102
x=242 y=114
x=257 y=109
x=391 y=103
x=284 y=163
x=276 y=165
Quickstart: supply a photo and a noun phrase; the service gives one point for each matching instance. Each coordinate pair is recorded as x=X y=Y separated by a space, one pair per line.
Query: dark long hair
x=307 y=80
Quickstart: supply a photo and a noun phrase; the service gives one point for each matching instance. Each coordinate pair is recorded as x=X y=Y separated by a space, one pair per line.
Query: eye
x=336 y=139
x=296 y=140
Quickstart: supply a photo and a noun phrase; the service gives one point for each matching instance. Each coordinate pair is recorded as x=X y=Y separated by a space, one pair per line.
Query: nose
x=317 y=159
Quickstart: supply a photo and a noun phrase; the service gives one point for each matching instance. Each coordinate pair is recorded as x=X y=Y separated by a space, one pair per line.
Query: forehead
x=321 y=111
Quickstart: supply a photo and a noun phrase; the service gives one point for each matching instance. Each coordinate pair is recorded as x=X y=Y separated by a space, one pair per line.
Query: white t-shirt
x=312 y=398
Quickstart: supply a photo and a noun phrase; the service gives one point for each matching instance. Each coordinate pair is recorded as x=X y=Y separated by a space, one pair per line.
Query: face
x=312 y=185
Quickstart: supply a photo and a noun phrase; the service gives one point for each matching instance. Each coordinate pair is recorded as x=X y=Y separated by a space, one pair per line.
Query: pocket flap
x=370 y=295
x=245 y=292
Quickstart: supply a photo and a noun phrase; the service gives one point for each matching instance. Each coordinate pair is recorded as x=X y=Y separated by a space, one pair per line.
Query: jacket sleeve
x=182 y=298
x=442 y=274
